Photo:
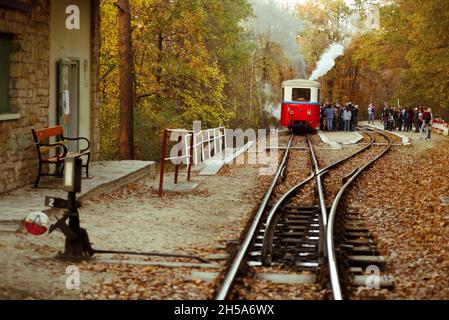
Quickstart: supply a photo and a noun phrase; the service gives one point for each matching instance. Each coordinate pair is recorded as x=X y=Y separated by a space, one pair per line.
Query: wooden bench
x=41 y=140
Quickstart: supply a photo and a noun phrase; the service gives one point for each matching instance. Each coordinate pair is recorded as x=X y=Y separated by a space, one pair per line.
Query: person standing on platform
x=341 y=123
x=397 y=119
x=334 y=107
x=416 y=119
x=371 y=111
x=404 y=116
x=322 y=117
x=329 y=117
x=347 y=115
x=385 y=117
x=427 y=124
x=356 y=117
x=420 y=121
x=411 y=119
x=352 y=108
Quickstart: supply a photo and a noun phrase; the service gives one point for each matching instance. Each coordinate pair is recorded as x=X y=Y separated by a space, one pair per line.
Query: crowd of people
x=409 y=119
x=335 y=117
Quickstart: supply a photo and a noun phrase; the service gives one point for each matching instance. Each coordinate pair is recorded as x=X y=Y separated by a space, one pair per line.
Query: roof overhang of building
x=24 y=5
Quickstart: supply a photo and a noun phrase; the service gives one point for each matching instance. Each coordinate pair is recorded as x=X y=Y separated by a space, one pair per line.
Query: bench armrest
x=54 y=145
x=77 y=139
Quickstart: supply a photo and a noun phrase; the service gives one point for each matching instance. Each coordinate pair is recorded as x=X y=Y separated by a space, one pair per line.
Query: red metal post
x=164 y=150
x=189 y=172
x=177 y=166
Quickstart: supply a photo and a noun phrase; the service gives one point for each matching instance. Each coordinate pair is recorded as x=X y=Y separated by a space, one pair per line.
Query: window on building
x=5 y=52
x=301 y=94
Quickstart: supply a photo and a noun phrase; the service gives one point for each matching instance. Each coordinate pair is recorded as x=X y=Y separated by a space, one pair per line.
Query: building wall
x=39 y=40
x=29 y=94
x=73 y=44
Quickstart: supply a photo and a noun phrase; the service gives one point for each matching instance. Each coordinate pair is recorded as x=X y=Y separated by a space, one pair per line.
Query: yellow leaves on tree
x=180 y=74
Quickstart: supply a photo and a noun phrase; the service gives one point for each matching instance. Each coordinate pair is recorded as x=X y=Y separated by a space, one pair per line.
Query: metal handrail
x=189 y=153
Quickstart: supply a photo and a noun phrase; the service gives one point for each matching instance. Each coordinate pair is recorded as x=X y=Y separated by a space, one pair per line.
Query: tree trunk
x=127 y=87
x=160 y=55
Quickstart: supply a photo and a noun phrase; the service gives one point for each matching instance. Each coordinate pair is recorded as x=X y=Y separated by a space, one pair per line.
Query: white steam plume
x=274 y=110
x=271 y=108
x=327 y=60
x=354 y=26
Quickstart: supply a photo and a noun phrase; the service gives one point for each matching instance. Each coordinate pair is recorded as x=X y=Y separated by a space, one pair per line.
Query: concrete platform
x=405 y=139
x=182 y=187
x=105 y=177
x=212 y=166
x=336 y=139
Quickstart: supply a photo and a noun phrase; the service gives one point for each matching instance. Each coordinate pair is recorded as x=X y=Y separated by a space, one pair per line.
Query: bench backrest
x=44 y=134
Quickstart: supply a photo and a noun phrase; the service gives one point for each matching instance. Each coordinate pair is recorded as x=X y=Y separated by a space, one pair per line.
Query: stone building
x=49 y=53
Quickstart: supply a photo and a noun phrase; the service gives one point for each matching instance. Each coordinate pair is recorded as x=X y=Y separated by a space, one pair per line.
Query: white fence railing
x=208 y=143
x=196 y=148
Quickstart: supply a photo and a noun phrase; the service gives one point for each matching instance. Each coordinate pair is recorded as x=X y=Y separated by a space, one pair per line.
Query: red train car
x=300 y=109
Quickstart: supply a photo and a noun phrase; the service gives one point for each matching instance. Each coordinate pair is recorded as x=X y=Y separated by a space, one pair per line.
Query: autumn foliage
x=199 y=60
x=193 y=60
x=406 y=58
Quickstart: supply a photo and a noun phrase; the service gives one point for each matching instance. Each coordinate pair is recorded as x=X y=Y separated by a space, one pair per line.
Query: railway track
x=350 y=246
x=320 y=240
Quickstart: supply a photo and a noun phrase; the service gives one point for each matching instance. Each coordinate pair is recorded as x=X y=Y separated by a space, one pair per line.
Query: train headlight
x=309 y=112
x=292 y=112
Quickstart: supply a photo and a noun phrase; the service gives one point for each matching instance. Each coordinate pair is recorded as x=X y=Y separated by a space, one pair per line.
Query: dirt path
x=415 y=234
x=400 y=198
x=135 y=218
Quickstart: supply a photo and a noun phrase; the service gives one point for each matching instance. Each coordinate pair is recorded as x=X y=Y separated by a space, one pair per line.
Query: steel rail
x=319 y=184
x=317 y=173
x=321 y=172
x=273 y=217
x=369 y=145
x=272 y=220
x=225 y=287
x=330 y=243
x=237 y=261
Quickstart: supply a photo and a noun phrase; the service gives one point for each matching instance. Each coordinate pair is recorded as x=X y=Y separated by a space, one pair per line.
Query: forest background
x=223 y=61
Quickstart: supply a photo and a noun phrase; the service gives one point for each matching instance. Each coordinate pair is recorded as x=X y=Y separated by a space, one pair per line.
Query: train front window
x=301 y=94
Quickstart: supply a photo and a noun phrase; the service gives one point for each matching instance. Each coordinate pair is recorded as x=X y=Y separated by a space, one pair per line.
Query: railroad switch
x=77 y=243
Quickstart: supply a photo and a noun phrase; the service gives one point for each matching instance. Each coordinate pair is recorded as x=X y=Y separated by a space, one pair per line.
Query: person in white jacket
x=347 y=115
x=371 y=111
